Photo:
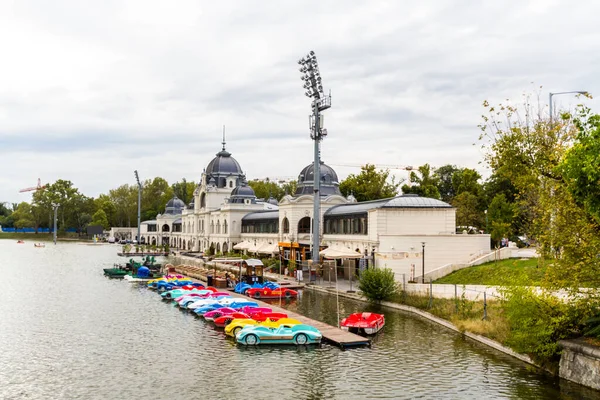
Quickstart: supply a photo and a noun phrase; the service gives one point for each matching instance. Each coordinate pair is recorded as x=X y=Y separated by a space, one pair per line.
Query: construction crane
x=380 y=166
x=34 y=188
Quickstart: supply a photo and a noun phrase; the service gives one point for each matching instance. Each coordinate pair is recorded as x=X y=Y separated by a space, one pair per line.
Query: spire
x=223 y=138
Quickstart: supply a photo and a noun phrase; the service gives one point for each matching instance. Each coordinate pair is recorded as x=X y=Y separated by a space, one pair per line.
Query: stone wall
x=580 y=362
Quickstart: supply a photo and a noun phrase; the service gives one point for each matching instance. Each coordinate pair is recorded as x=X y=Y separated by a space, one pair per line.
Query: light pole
x=321 y=102
x=583 y=92
x=423 y=253
x=137 y=178
x=55 y=207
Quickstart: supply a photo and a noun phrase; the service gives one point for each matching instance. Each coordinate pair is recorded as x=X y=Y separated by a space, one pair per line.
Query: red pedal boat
x=366 y=322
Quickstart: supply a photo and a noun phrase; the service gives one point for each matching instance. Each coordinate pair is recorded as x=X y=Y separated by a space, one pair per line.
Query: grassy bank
x=499 y=273
x=39 y=237
x=467 y=315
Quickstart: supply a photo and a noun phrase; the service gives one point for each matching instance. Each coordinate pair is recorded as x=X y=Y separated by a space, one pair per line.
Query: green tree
x=370 y=184
x=266 y=189
x=23 y=217
x=500 y=216
x=423 y=182
x=443 y=175
x=289 y=187
x=184 y=190
x=100 y=218
x=467 y=210
x=105 y=203
x=155 y=195
x=62 y=192
x=466 y=180
x=378 y=284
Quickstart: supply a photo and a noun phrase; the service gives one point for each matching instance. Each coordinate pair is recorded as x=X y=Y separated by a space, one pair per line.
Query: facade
x=394 y=232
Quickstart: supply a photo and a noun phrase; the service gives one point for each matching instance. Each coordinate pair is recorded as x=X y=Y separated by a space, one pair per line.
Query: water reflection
x=68 y=332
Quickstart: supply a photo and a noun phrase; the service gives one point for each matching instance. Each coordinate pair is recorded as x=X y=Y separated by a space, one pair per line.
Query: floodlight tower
x=320 y=102
x=137 y=178
x=55 y=207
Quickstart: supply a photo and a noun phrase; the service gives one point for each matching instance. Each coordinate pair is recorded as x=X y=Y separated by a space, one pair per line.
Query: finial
x=223 y=138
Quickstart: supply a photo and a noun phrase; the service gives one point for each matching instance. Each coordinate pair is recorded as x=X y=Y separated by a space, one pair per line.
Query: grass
x=466 y=315
x=498 y=273
x=38 y=237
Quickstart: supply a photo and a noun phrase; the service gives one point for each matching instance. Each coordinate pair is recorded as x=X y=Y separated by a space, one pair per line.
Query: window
x=230 y=184
x=224 y=226
x=218 y=226
x=304 y=225
x=212 y=227
x=286 y=225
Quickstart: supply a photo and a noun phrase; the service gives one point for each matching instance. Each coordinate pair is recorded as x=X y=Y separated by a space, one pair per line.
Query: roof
x=253 y=262
x=261 y=215
x=403 y=201
x=177 y=221
x=150 y=222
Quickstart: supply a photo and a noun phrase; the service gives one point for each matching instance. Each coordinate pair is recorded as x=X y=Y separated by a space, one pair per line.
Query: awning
x=253 y=262
x=253 y=248
x=339 y=252
x=268 y=248
x=241 y=246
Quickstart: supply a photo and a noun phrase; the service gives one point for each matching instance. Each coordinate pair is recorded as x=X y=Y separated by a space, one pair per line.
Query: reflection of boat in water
x=20 y=241
x=39 y=245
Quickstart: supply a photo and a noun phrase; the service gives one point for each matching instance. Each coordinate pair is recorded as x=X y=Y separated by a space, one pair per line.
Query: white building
x=394 y=232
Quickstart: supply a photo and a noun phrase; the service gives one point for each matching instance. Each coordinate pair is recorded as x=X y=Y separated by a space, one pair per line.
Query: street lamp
x=583 y=92
x=423 y=253
x=55 y=207
x=137 y=178
x=321 y=102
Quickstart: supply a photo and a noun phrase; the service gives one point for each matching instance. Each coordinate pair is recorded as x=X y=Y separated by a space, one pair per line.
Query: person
x=285 y=271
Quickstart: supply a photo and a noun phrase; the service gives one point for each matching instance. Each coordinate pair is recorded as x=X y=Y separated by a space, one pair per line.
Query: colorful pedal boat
x=237 y=324
x=212 y=315
x=366 y=322
x=226 y=319
x=268 y=293
x=298 y=334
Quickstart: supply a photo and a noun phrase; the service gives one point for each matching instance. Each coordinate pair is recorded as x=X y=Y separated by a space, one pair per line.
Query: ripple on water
x=68 y=332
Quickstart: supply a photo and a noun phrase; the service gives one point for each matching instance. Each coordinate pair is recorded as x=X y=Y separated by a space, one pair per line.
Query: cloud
x=91 y=92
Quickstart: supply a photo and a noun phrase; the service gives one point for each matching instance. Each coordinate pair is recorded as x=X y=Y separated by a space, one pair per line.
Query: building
x=394 y=232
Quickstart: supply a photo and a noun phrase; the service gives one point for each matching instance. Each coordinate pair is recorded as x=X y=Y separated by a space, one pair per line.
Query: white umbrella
x=268 y=248
x=252 y=248
x=241 y=246
x=340 y=252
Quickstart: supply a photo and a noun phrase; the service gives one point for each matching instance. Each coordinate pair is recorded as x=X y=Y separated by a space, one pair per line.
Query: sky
x=92 y=90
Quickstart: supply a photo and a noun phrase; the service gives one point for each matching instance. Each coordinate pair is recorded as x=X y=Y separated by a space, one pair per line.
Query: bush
x=538 y=320
x=377 y=284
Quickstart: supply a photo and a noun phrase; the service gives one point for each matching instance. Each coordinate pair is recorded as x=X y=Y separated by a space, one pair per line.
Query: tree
x=105 y=203
x=467 y=210
x=184 y=190
x=72 y=203
x=155 y=195
x=500 y=216
x=266 y=189
x=23 y=217
x=444 y=178
x=424 y=183
x=581 y=165
x=100 y=218
x=289 y=187
x=466 y=180
x=370 y=184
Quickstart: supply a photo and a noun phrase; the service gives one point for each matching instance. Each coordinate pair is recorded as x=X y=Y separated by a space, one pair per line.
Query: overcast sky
x=92 y=90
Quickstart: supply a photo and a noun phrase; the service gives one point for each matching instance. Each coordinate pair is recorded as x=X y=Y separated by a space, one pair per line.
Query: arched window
x=286 y=225
x=230 y=184
x=304 y=225
x=212 y=227
x=224 y=227
x=203 y=200
x=218 y=226
x=165 y=228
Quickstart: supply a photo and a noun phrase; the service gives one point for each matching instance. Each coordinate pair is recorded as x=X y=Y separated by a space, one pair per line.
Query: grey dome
x=223 y=163
x=329 y=183
x=242 y=193
x=174 y=206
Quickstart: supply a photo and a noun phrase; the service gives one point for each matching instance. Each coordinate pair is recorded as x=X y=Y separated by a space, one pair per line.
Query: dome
x=243 y=191
x=242 y=194
x=223 y=163
x=174 y=206
x=329 y=181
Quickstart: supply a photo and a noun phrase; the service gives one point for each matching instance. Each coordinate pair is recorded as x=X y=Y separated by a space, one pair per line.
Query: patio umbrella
x=268 y=248
x=252 y=248
x=242 y=246
x=339 y=252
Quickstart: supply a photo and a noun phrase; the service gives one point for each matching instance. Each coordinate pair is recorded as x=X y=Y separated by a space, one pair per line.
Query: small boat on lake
x=39 y=245
x=366 y=322
x=20 y=241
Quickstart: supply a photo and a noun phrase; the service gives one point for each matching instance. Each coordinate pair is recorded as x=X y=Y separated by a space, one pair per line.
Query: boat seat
x=366 y=315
